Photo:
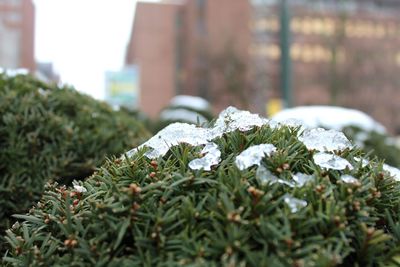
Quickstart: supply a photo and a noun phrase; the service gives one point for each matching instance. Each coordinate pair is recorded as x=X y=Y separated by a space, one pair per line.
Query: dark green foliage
x=377 y=144
x=53 y=134
x=138 y=212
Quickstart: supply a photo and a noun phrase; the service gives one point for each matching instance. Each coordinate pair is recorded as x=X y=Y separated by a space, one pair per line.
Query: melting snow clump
x=348 y=179
x=324 y=140
x=78 y=188
x=266 y=176
x=194 y=102
x=232 y=119
x=173 y=135
x=392 y=171
x=294 y=204
x=253 y=155
x=229 y=120
x=330 y=161
x=302 y=178
x=212 y=157
x=330 y=117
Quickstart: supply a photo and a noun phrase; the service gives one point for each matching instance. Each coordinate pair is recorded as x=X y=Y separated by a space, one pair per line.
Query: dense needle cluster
x=264 y=199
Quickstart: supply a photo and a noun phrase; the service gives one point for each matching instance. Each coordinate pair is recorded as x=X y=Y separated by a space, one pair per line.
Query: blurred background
x=262 y=55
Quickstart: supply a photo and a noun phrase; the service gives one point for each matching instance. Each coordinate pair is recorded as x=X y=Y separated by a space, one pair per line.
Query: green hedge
x=376 y=144
x=272 y=197
x=53 y=134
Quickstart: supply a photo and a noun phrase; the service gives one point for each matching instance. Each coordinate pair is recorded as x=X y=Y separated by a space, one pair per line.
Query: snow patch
x=324 y=140
x=266 y=176
x=349 y=179
x=330 y=161
x=253 y=155
x=212 y=157
x=294 y=204
x=330 y=117
x=193 y=102
x=232 y=119
x=301 y=178
x=392 y=171
x=229 y=120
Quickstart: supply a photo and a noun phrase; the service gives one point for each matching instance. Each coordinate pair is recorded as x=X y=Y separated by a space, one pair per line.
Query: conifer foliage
x=53 y=134
x=244 y=192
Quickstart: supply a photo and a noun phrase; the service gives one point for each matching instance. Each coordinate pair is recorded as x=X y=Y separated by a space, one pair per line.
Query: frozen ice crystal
x=302 y=178
x=266 y=176
x=232 y=119
x=212 y=157
x=392 y=171
x=294 y=204
x=330 y=161
x=253 y=155
x=324 y=140
x=348 y=179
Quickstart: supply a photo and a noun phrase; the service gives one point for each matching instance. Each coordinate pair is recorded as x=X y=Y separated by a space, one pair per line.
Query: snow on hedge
x=193 y=102
x=330 y=117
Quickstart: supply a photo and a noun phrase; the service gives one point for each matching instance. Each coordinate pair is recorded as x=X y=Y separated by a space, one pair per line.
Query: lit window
x=398 y=59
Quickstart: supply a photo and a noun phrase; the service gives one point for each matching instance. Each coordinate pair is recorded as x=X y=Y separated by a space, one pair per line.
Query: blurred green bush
x=53 y=134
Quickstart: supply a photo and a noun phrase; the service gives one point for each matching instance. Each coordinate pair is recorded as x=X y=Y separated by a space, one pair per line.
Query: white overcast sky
x=83 y=39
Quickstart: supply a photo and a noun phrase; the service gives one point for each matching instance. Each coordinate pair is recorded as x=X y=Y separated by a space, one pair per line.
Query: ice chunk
x=232 y=119
x=253 y=155
x=324 y=140
x=266 y=176
x=294 y=204
x=392 y=171
x=212 y=157
x=348 y=179
x=181 y=114
x=330 y=161
x=302 y=178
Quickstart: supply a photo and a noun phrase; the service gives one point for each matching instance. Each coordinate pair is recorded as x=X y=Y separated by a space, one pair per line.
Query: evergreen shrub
x=375 y=143
x=244 y=192
x=53 y=134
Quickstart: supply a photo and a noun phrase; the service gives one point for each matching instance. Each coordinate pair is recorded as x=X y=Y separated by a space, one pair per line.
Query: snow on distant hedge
x=193 y=102
x=330 y=117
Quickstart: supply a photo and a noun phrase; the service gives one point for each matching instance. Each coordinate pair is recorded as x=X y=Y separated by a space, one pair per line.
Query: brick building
x=343 y=53
x=182 y=46
x=17 y=34
x=229 y=52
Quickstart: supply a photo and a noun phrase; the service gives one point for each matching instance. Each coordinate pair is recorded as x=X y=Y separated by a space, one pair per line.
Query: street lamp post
x=286 y=68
